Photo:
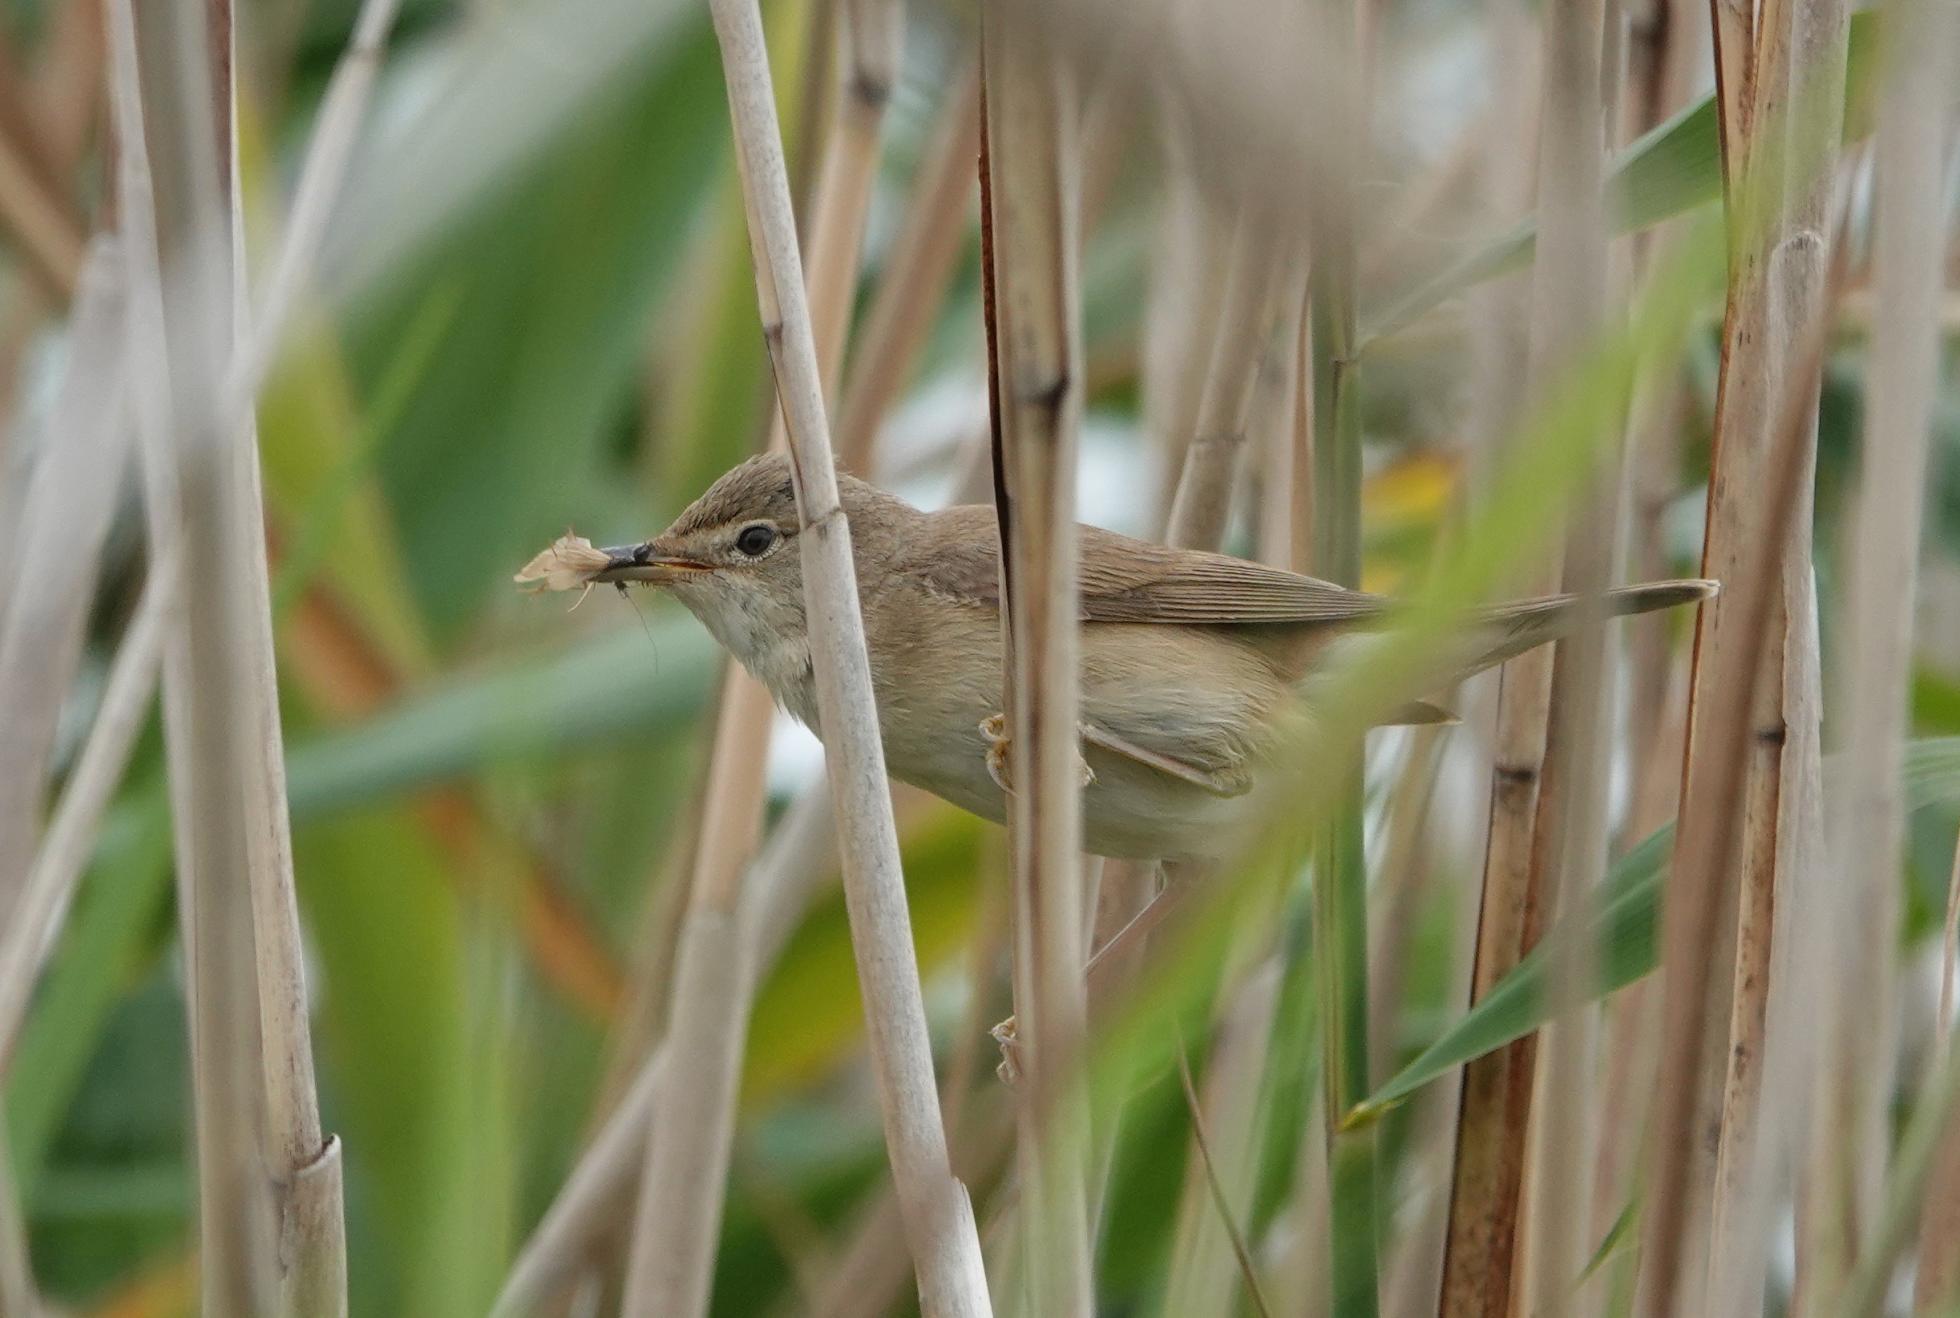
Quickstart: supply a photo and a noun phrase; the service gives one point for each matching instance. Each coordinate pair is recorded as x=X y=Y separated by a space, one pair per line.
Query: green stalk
x=1340 y=871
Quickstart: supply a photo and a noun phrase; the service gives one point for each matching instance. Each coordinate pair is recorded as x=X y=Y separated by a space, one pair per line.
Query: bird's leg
x=994 y=729
x=1112 y=968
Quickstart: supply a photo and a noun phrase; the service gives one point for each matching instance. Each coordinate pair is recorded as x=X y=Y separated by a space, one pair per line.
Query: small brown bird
x=1189 y=660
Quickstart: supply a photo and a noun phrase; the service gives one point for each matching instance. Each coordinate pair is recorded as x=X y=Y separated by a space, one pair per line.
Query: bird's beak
x=645 y=562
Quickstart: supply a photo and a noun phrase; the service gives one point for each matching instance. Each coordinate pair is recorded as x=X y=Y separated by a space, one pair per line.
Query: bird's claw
x=994 y=729
x=1009 y=1069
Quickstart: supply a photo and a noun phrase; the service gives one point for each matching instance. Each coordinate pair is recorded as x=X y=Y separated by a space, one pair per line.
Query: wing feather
x=1129 y=580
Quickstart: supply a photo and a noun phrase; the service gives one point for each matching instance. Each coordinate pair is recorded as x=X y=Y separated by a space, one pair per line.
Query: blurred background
x=535 y=310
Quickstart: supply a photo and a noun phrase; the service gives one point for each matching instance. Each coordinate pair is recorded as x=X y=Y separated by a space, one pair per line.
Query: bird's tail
x=1526 y=624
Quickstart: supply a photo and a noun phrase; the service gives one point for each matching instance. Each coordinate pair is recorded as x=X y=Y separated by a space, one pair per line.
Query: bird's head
x=732 y=555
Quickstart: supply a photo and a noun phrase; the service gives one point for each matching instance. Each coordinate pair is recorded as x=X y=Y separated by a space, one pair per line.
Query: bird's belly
x=930 y=719
x=1129 y=811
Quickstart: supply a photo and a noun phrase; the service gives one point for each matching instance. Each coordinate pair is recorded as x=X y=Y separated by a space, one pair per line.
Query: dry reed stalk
x=65 y=850
x=1405 y=872
x=1202 y=505
x=304 y=1163
x=1669 y=43
x=870 y=1269
x=1297 y=1245
x=719 y=846
x=183 y=66
x=1713 y=831
x=1632 y=1025
x=34 y=925
x=916 y=275
x=1180 y=316
x=938 y=1217
x=1868 y=807
x=682 y=1188
x=1199 y=518
x=1329 y=62
x=1276 y=405
x=71 y=498
x=678 y=1226
x=41 y=219
x=17 y=1291
x=1494 y=1118
x=68 y=81
x=774 y=897
x=323 y=172
x=1029 y=192
x=1209 y=1259
x=1949 y=946
x=1936 y=1282
x=1570 y=832
x=1720 y=969
x=1736 y=52
x=1495 y=1091
x=816 y=104
x=1936 y=1116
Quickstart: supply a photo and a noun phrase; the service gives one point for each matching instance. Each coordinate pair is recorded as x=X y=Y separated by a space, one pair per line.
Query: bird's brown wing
x=1129 y=580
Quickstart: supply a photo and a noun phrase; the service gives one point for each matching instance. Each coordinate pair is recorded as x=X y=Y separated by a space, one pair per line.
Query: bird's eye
x=754 y=541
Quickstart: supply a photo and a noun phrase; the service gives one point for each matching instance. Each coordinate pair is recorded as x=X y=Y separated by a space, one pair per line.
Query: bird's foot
x=1009 y=1069
x=994 y=729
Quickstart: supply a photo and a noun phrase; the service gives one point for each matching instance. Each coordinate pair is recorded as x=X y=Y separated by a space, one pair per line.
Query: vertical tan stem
x=1030 y=190
x=1902 y=386
x=1568 y=293
x=683 y=1189
x=938 y=1217
x=916 y=275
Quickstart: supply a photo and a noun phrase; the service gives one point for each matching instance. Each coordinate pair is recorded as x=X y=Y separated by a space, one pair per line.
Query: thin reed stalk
x=1493 y=1124
x=1180 y=322
x=1934 y=1121
x=1200 y=516
x=189 y=138
x=40 y=218
x=1712 y=834
x=1568 y=296
x=917 y=272
x=773 y=900
x=36 y=920
x=17 y=1291
x=71 y=499
x=322 y=174
x=1867 y=821
x=1203 y=503
x=304 y=1162
x=1340 y=883
x=741 y=702
x=1030 y=190
x=678 y=1222
x=678 y=1226
x=1669 y=43
x=1487 y=1176
x=938 y=1217
x=870 y=1266
x=1705 y=1227
x=1210 y=1262
x=1405 y=871
x=1936 y=1279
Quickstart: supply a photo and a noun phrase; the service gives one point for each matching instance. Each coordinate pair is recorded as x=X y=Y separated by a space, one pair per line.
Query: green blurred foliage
x=580 y=347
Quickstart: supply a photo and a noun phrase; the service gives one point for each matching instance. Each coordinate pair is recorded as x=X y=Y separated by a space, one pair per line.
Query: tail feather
x=1526 y=624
